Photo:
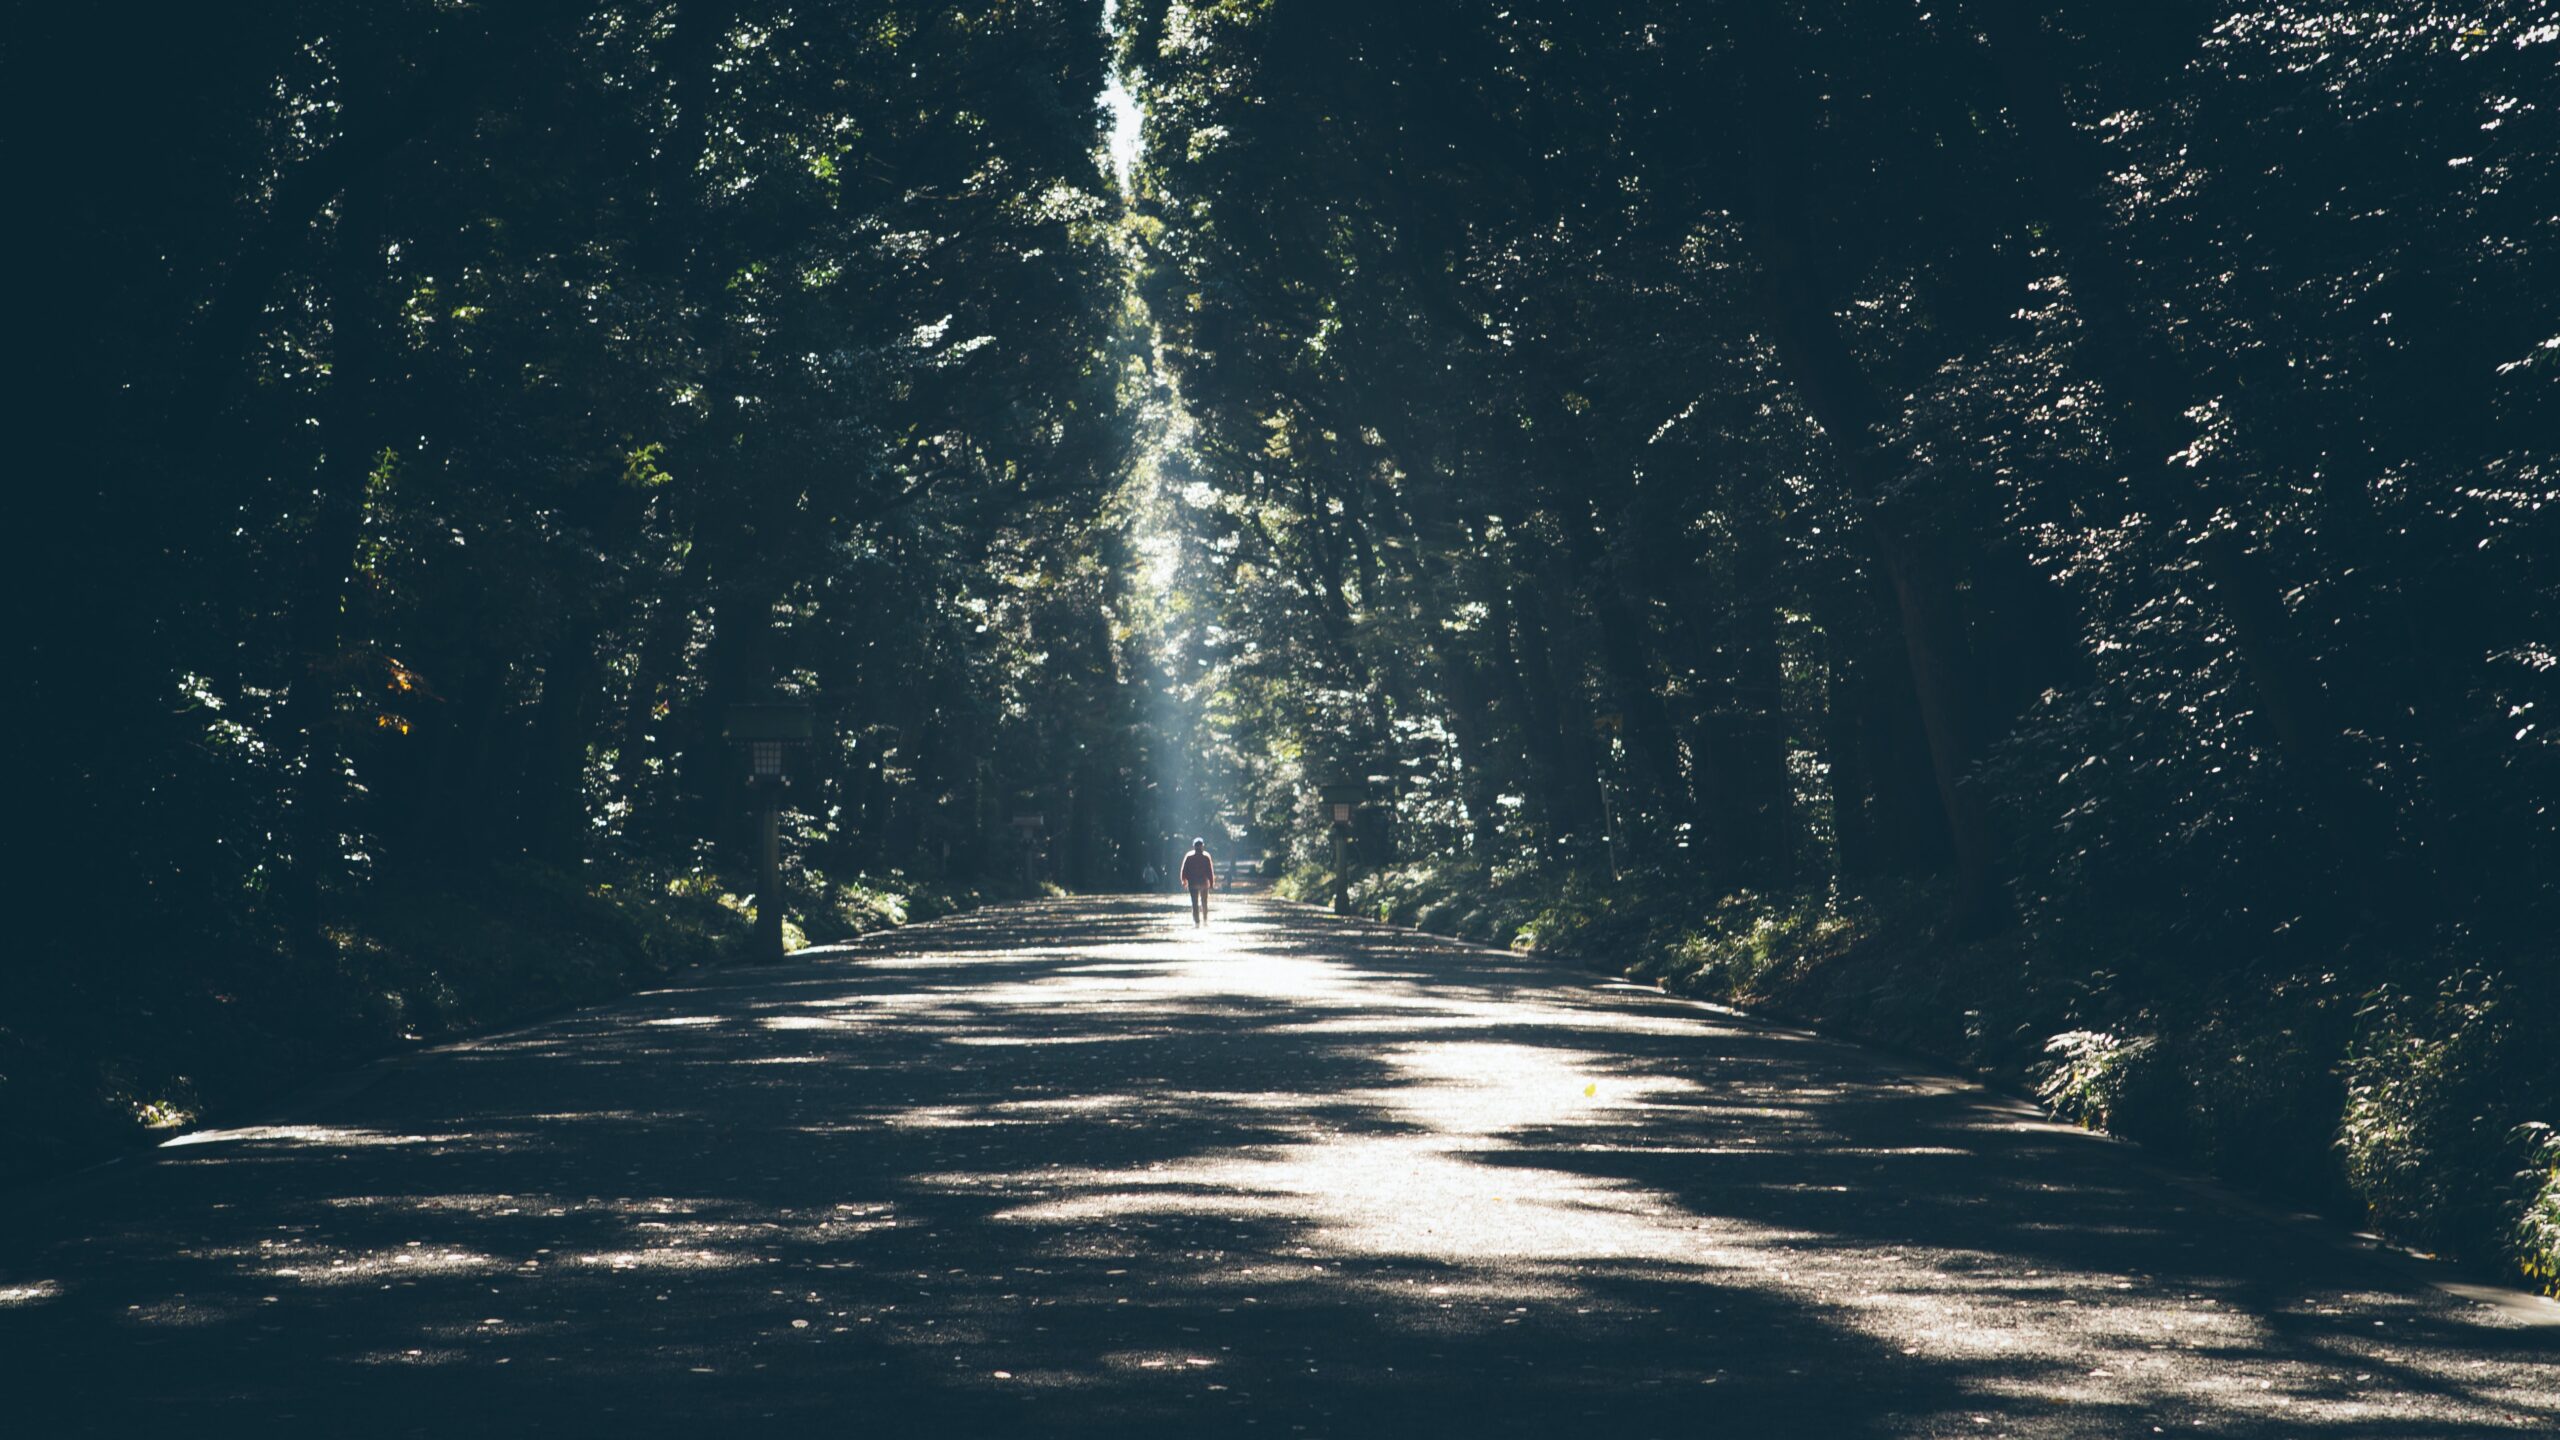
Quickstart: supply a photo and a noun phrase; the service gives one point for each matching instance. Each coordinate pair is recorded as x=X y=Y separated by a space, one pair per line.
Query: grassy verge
x=2424 y=1106
x=122 y=1039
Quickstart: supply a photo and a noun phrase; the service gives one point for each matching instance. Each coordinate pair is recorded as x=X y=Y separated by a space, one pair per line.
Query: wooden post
x=769 y=878
x=776 y=740
x=1340 y=801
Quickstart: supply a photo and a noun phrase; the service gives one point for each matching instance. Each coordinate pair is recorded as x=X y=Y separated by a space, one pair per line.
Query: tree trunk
x=1471 y=724
x=2143 y=383
x=1942 y=677
x=553 y=818
x=1563 y=790
x=1817 y=360
x=659 y=658
x=351 y=431
x=1856 y=837
x=1827 y=377
x=1634 y=674
x=1745 y=792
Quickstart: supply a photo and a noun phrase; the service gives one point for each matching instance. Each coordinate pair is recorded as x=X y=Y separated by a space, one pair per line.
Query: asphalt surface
x=1077 y=1168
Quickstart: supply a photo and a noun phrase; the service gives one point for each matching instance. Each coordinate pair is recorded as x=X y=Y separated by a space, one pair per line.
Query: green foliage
x=1978 y=524
x=1512 y=908
x=1912 y=518
x=2445 y=1137
x=831 y=911
x=432 y=961
x=2537 y=1235
x=2091 y=1074
x=414 y=964
x=475 y=403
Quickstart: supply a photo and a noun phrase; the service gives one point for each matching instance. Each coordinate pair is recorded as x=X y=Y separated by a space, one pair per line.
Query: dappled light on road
x=1078 y=1167
x=311 y=1135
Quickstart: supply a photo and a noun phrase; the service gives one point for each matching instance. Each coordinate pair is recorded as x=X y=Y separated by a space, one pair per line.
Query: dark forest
x=2013 y=531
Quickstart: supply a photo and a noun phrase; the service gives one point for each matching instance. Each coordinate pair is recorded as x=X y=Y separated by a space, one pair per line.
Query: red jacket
x=1197 y=870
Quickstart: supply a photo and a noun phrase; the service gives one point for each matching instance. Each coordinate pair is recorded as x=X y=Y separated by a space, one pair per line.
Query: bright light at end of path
x=1120 y=108
x=1225 y=936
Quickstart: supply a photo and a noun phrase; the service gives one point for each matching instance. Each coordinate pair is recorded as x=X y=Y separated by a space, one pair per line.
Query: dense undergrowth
x=2427 y=1110
x=150 y=1038
x=429 y=497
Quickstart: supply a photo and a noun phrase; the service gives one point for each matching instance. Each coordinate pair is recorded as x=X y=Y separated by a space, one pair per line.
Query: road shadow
x=1075 y=1167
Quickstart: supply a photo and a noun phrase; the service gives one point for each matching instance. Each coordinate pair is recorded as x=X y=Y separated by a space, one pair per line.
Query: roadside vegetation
x=457 y=408
x=2413 y=1113
x=2020 y=531
x=172 y=1044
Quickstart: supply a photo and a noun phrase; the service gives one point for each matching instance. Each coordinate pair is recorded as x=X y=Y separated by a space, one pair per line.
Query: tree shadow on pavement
x=1075 y=1167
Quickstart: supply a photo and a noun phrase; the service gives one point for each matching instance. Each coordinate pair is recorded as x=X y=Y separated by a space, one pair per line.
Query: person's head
x=1198 y=844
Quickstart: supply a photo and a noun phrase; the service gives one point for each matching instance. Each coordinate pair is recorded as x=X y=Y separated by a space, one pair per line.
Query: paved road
x=1076 y=1168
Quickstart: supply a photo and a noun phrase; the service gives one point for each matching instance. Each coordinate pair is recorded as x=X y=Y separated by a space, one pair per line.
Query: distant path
x=1075 y=1168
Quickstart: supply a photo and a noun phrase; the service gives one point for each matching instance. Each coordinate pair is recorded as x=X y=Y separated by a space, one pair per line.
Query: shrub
x=2438 y=1139
x=2430 y=1106
x=2537 y=1234
x=2091 y=1074
x=401 y=964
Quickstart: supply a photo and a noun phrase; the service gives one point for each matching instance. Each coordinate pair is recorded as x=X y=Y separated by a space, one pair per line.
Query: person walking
x=1199 y=876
